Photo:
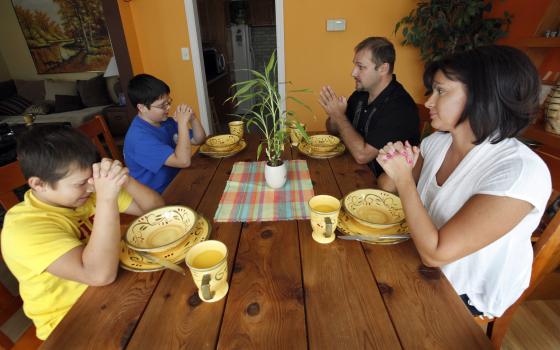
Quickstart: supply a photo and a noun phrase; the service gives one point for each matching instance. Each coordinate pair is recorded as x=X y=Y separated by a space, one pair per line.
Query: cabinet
x=261 y=13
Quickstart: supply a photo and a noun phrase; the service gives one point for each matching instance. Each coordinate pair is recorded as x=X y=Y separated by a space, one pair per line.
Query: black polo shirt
x=392 y=116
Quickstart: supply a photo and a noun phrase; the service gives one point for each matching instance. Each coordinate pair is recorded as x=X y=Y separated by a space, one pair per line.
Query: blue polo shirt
x=146 y=148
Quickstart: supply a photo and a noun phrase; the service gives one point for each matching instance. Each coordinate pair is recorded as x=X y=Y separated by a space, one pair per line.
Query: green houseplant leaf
x=442 y=27
x=266 y=113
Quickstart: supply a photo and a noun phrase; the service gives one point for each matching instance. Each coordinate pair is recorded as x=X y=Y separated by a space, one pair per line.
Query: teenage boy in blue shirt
x=156 y=147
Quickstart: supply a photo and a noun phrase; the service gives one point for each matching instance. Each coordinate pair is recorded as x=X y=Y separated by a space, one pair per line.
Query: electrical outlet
x=185 y=54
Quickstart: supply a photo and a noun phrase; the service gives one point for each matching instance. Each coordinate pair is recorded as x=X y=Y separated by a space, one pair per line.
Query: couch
x=53 y=100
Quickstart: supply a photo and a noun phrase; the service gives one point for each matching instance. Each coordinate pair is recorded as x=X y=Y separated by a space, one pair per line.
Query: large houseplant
x=267 y=115
x=441 y=27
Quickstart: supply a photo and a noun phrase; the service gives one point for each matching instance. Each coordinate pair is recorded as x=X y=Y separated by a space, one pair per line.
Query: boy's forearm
x=100 y=257
x=199 y=135
x=183 y=148
x=145 y=198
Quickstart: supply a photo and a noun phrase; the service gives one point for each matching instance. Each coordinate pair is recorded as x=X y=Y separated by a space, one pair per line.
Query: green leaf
x=259 y=151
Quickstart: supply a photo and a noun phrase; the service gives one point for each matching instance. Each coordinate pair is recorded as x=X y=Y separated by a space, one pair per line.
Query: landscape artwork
x=65 y=36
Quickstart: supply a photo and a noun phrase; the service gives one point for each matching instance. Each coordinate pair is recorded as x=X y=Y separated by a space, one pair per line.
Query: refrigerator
x=242 y=58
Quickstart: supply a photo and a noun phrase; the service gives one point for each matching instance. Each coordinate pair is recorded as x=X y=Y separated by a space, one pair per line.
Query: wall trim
x=191 y=12
x=280 y=53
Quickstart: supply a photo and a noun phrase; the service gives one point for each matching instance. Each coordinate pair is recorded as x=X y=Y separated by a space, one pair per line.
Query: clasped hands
x=334 y=106
x=398 y=159
x=108 y=177
x=183 y=114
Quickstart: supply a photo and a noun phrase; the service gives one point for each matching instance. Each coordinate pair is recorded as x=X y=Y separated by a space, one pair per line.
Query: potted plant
x=267 y=115
x=441 y=27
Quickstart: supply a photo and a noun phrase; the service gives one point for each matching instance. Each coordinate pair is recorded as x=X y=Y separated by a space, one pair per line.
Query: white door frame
x=191 y=12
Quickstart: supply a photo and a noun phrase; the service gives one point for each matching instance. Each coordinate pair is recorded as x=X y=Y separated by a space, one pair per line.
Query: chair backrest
x=98 y=131
x=546 y=253
x=12 y=178
x=424 y=126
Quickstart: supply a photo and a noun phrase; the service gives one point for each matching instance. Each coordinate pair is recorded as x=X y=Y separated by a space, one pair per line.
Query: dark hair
x=49 y=151
x=502 y=87
x=145 y=89
x=382 y=50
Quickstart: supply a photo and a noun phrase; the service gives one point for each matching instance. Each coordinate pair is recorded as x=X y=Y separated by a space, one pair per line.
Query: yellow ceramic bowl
x=222 y=143
x=160 y=229
x=323 y=143
x=374 y=208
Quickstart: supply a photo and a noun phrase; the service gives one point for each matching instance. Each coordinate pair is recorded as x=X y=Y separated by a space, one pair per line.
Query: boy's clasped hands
x=183 y=114
x=108 y=177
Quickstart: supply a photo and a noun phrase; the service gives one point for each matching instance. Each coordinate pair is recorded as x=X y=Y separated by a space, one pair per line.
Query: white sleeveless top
x=496 y=275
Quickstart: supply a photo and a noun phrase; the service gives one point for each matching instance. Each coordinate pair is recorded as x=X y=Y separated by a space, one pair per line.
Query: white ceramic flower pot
x=276 y=176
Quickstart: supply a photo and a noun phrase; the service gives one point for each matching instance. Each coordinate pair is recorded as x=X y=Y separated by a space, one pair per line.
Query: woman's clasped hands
x=398 y=159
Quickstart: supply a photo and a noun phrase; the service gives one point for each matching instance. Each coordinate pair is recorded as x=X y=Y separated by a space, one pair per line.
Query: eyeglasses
x=165 y=105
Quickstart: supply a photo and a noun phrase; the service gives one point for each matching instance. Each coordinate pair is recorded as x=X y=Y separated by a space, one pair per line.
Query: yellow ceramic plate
x=350 y=227
x=222 y=143
x=306 y=149
x=160 y=229
x=204 y=149
x=374 y=208
x=132 y=261
x=323 y=143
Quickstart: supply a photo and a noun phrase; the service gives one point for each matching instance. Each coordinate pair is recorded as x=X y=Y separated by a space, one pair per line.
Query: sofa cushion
x=7 y=89
x=31 y=90
x=44 y=107
x=93 y=92
x=65 y=103
x=59 y=87
x=14 y=105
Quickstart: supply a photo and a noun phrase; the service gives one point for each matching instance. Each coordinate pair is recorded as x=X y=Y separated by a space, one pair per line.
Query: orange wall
x=315 y=57
x=155 y=32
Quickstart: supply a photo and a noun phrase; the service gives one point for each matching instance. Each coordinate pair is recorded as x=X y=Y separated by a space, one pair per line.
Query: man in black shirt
x=379 y=111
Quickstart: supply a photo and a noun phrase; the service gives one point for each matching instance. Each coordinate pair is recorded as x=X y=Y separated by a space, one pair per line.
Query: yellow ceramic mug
x=324 y=217
x=29 y=119
x=295 y=134
x=236 y=128
x=207 y=261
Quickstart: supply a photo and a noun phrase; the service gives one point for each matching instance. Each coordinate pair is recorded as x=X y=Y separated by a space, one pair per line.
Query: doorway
x=229 y=36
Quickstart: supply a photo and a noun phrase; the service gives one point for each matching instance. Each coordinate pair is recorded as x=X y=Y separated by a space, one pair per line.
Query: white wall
x=17 y=59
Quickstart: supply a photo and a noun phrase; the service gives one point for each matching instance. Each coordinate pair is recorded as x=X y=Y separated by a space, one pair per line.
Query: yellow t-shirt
x=36 y=234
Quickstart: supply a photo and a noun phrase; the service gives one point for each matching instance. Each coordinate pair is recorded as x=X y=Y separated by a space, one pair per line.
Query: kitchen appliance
x=214 y=63
x=242 y=58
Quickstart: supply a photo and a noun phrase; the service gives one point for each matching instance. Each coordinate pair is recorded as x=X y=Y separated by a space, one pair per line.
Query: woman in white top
x=472 y=193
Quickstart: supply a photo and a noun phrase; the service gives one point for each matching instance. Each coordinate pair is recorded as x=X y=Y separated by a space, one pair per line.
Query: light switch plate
x=185 y=54
x=336 y=25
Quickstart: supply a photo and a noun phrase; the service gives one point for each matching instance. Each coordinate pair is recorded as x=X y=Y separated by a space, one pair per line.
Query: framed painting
x=65 y=36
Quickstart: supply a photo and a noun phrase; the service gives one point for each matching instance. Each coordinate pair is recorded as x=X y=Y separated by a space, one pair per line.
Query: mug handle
x=329 y=230
x=207 y=294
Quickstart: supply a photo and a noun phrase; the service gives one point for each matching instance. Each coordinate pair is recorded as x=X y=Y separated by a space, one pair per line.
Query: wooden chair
x=12 y=178
x=98 y=131
x=546 y=259
x=425 y=127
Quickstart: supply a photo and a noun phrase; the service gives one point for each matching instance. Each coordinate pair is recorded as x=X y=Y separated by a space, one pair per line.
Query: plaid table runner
x=248 y=198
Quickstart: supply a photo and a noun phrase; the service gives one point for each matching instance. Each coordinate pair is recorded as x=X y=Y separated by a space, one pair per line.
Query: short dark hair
x=145 y=89
x=382 y=50
x=502 y=87
x=49 y=151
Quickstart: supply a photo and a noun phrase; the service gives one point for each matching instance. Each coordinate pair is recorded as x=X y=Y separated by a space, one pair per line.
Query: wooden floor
x=535 y=326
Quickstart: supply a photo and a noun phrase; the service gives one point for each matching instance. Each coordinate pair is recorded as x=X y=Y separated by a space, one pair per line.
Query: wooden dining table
x=286 y=291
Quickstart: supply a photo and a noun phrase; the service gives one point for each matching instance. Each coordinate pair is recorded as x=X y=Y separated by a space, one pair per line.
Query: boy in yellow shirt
x=49 y=241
